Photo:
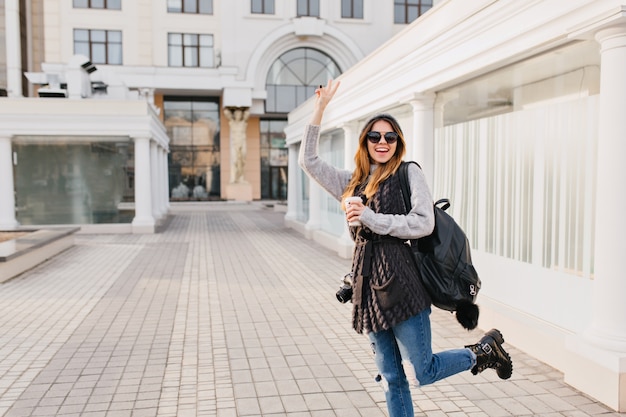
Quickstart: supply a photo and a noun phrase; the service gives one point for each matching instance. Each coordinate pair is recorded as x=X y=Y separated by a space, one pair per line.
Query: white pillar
x=143 y=221
x=609 y=311
x=292 y=184
x=13 y=48
x=315 y=209
x=164 y=177
x=350 y=146
x=7 y=196
x=424 y=134
x=599 y=369
x=166 y=182
x=154 y=180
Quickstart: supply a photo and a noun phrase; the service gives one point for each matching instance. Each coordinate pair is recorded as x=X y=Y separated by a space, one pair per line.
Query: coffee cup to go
x=347 y=202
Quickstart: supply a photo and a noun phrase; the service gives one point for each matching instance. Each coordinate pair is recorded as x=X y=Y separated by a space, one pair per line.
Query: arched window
x=293 y=77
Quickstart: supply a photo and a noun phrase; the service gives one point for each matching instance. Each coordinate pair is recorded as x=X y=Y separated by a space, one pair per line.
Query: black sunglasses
x=374 y=137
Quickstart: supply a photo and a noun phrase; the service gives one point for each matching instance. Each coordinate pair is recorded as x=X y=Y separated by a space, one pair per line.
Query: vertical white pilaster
x=600 y=368
x=350 y=143
x=292 y=184
x=164 y=181
x=424 y=131
x=154 y=180
x=13 y=48
x=315 y=209
x=7 y=197
x=609 y=311
x=143 y=221
x=350 y=146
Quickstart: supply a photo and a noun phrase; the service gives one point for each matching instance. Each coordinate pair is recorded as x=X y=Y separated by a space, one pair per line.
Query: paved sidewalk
x=225 y=313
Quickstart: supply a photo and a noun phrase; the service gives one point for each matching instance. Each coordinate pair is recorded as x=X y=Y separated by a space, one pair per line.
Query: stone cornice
x=448 y=46
x=80 y=118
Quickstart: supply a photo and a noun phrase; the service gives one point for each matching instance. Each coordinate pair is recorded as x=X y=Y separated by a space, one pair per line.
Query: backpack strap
x=404 y=183
x=442 y=203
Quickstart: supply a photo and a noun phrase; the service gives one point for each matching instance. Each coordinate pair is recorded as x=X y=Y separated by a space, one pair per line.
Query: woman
x=390 y=304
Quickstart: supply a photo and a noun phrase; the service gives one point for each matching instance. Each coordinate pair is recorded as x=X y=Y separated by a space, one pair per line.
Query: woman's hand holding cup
x=354 y=209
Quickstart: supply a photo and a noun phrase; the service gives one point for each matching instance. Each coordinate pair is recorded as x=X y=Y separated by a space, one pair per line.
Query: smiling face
x=382 y=151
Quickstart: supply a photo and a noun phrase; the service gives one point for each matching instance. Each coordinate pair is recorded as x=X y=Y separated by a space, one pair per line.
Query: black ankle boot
x=490 y=354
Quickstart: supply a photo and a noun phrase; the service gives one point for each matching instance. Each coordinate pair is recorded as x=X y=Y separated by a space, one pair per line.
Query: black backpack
x=444 y=261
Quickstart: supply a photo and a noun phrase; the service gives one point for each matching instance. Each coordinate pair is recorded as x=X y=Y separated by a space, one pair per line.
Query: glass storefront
x=193 y=125
x=516 y=151
x=77 y=181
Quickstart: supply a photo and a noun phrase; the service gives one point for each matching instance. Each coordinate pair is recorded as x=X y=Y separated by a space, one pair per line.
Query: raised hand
x=323 y=96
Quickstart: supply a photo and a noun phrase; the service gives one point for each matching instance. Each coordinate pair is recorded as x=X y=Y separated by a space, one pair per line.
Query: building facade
x=217 y=78
x=515 y=111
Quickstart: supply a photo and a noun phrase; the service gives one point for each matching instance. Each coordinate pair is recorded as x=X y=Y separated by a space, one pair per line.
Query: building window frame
x=190 y=6
x=294 y=76
x=262 y=7
x=352 y=9
x=406 y=11
x=308 y=8
x=190 y=50
x=274 y=158
x=97 y=43
x=193 y=125
x=97 y=4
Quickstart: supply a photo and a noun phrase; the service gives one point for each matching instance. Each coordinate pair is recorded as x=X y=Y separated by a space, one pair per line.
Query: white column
x=13 y=48
x=350 y=145
x=164 y=177
x=599 y=367
x=609 y=311
x=154 y=180
x=292 y=184
x=424 y=134
x=143 y=221
x=166 y=182
x=315 y=209
x=7 y=196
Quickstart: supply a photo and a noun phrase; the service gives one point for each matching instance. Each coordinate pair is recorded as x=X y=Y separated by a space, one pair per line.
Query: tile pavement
x=225 y=313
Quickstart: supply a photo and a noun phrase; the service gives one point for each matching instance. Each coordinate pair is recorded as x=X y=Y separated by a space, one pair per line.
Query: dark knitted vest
x=387 y=289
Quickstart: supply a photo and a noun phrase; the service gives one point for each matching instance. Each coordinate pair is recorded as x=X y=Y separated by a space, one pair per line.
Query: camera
x=345 y=292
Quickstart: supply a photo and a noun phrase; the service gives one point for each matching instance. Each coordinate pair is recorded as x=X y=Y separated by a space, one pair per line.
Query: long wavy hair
x=363 y=161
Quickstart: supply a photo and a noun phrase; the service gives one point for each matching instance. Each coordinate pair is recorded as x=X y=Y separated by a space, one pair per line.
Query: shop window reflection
x=194 y=161
x=74 y=183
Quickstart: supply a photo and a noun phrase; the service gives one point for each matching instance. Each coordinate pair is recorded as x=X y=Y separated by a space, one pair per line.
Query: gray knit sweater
x=418 y=223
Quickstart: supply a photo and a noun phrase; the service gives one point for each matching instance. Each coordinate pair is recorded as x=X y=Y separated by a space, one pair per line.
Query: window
x=57 y=172
x=190 y=6
x=274 y=159
x=100 y=46
x=309 y=8
x=406 y=11
x=193 y=124
x=98 y=4
x=352 y=9
x=190 y=50
x=262 y=6
x=294 y=76
x=534 y=200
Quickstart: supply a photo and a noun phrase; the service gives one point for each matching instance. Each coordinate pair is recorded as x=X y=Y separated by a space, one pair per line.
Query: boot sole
x=503 y=372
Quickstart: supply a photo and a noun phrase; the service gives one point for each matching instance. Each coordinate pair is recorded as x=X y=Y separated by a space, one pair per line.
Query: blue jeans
x=408 y=344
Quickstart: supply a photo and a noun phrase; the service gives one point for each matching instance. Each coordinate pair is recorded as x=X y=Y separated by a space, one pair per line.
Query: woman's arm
x=332 y=179
x=419 y=222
